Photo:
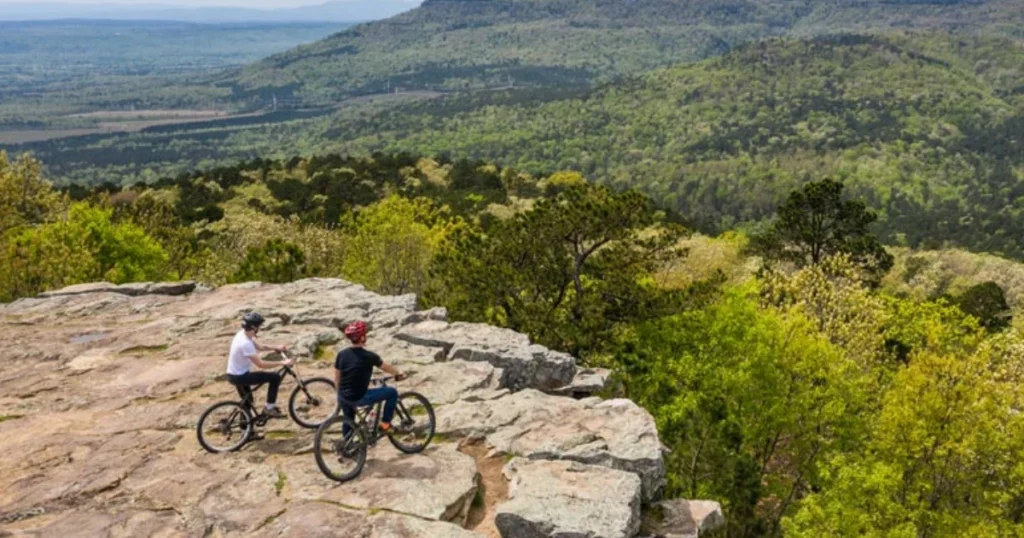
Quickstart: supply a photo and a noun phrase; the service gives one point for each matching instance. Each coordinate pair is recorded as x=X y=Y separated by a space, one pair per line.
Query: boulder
x=448 y=382
x=586 y=382
x=523 y=365
x=438 y=484
x=561 y=498
x=679 y=518
x=614 y=433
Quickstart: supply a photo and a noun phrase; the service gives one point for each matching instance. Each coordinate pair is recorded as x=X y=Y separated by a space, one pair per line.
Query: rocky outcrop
x=559 y=498
x=680 y=518
x=134 y=289
x=614 y=433
x=103 y=385
x=523 y=365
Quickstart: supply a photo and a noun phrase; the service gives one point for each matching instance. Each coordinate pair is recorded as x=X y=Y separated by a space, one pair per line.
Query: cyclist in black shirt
x=353 y=369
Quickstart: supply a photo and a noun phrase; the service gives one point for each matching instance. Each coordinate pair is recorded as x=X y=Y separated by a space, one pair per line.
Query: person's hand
x=401 y=376
x=288 y=362
x=282 y=349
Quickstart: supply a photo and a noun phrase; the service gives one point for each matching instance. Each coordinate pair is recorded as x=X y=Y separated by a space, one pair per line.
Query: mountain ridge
x=331 y=11
x=464 y=44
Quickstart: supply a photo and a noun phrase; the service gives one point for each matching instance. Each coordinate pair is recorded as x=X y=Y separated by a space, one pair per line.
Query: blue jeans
x=388 y=395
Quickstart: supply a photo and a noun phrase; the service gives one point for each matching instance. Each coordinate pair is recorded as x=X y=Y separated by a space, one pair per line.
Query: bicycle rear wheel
x=312 y=403
x=224 y=427
x=340 y=448
x=413 y=426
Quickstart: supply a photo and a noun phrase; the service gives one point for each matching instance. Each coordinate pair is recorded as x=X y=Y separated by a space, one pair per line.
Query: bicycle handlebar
x=385 y=379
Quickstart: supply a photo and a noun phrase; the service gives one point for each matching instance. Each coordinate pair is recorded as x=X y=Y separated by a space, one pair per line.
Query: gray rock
x=587 y=382
x=679 y=518
x=437 y=484
x=615 y=433
x=306 y=346
x=523 y=365
x=81 y=289
x=134 y=289
x=568 y=499
x=447 y=382
x=403 y=353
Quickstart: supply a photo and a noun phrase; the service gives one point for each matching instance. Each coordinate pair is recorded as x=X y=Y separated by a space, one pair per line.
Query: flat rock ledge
x=134 y=289
x=104 y=385
x=563 y=498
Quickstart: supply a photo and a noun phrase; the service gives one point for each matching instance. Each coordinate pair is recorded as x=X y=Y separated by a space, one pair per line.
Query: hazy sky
x=191 y=3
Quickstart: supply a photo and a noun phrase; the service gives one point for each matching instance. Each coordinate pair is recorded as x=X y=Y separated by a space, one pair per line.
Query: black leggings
x=257 y=378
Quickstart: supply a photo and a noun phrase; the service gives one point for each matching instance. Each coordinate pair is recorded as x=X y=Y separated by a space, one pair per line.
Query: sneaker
x=274 y=412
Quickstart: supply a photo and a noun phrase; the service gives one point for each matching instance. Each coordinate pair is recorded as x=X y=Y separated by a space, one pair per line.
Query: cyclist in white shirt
x=244 y=355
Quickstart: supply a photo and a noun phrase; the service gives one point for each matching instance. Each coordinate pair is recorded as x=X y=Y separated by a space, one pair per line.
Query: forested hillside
x=460 y=44
x=810 y=400
x=927 y=128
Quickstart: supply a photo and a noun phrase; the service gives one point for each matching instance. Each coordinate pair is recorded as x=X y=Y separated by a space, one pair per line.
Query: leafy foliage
x=809 y=402
x=815 y=223
x=749 y=400
x=25 y=197
x=921 y=127
x=987 y=303
x=276 y=261
x=567 y=271
x=396 y=240
x=84 y=245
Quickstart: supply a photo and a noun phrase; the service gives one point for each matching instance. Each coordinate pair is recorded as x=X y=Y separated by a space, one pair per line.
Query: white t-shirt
x=241 y=349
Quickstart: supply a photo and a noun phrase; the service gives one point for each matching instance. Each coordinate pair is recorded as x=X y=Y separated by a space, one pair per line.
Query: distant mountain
x=335 y=11
x=461 y=44
x=927 y=128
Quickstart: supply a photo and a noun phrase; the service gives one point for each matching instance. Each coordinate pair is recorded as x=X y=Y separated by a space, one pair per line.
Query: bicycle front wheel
x=340 y=448
x=414 y=423
x=313 y=402
x=224 y=427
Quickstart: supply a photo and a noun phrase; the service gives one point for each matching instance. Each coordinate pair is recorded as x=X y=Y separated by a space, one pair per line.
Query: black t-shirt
x=356 y=365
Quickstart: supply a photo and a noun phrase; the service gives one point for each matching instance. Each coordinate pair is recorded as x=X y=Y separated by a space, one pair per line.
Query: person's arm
x=261 y=347
x=264 y=365
x=399 y=375
x=337 y=378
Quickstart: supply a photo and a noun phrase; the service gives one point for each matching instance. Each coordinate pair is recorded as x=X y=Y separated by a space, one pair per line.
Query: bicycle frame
x=362 y=414
x=247 y=392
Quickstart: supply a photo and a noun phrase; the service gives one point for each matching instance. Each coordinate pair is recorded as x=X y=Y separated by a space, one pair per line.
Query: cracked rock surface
x=103 y=386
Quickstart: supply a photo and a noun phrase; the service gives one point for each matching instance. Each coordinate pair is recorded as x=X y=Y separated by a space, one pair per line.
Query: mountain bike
x=341 y=443
x=227 y=426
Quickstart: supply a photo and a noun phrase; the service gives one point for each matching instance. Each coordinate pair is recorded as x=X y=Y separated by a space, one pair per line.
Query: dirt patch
x=493 y=488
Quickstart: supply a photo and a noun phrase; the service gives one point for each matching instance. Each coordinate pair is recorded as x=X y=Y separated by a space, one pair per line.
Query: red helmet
x=356 y=331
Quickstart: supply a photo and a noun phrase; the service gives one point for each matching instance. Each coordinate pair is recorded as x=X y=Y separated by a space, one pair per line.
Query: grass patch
x=441 y=438
x=323 y=353
x=5 y=418
x=282 y=479
x=145 y=349
x=280 y=434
